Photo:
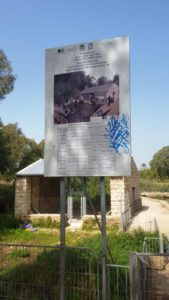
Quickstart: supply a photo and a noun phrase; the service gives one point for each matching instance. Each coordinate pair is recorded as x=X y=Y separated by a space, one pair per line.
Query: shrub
x=7 y=196
x=120 y=244
x=89 y=222
x=8 y=221
x=148 y=185
x=48 y=222
x=20 y=253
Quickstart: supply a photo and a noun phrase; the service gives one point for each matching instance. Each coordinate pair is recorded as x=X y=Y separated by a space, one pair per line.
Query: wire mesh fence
x=118 y=282
x=33 y=272
x=149 y=276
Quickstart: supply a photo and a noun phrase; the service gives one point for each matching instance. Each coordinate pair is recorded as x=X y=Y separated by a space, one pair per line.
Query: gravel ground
x=154 y=215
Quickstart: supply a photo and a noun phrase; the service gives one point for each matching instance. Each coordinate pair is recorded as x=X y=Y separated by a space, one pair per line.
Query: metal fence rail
x=118 y=282
x=153 y=245
x=32 y=272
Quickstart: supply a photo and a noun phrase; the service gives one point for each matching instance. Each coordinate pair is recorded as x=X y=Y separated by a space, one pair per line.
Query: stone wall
x=41 y=194
x=117 y=192
x=36 y=194
x=125 y=193
x=132 y=182
x=89 y=221
x=22 y=196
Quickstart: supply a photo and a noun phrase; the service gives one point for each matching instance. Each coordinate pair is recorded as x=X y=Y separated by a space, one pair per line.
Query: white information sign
x=87 y=126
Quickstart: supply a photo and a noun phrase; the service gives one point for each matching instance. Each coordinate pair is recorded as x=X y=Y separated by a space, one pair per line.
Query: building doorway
x=76 y=205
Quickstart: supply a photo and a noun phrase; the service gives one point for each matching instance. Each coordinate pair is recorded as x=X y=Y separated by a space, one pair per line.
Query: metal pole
x=134 y=282
x=69 y=201
x=85 y=197
x=62 y=238
x=104 y=238
x=161 y=244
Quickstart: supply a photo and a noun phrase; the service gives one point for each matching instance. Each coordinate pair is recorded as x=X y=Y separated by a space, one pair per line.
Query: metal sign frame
x=87 y=124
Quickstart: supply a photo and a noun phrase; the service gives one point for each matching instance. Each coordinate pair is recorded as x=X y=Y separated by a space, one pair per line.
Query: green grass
x=46 y=223
x=8 y=221
x=150 y=185
x=39 y=237
x=40 y=266
x=120 y=243
x=20 y=253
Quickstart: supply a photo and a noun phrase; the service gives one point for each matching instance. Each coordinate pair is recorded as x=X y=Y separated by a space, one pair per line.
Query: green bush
x=148 y=185
x=20 y=253
x=47 y=222
x=120 y=244
x=90 y=223
x=7 y=197
x=8 y=221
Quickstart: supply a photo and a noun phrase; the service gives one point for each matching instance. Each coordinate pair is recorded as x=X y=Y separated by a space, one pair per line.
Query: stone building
x=34 y=194
x=125 y=196
x=38 y=196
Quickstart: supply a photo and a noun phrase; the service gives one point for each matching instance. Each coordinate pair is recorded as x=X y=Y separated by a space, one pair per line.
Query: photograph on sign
x=78 y=97
x=87 y=122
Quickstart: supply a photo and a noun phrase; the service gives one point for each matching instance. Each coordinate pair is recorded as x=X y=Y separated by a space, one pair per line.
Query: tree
x=30 y=153
x=3 y=158
x=41 y=146
x=14 y=143
x=147 y=173
x=143 y=166
x=18 y=152
x=6 y=76
x=160 y=163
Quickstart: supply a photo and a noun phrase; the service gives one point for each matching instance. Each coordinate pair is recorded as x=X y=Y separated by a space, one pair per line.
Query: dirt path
x=154 y=215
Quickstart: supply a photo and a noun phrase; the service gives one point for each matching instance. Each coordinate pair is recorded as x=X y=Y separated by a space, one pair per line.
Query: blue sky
x=27 y=28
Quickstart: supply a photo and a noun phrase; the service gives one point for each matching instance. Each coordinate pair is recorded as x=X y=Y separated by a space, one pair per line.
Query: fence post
x=133 y=277
x=161 y=244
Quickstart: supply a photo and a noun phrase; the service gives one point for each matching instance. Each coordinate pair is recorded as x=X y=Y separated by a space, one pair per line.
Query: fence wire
x=153 y=245
x=33 y=272
x=150 y=276
x=118 y=282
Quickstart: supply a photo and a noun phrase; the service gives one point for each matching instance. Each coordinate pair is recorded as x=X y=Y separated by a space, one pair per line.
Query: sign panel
x=87 y=125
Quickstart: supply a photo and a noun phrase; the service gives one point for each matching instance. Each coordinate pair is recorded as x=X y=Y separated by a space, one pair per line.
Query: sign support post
x=69 y=202
x=104 y=237
x=62 y=238
x=87 y=123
